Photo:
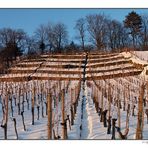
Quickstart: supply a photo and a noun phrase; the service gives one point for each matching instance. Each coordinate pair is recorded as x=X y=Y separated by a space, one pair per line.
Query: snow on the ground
x=96 y=129
x=92 y=128
x=37 y=131
x=140 y=57
x=143 y=55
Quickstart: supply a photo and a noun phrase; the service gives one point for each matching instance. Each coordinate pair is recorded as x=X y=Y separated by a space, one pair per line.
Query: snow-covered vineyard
x=81 y=96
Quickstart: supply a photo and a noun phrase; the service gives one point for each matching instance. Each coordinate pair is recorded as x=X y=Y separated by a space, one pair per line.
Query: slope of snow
x=143 y=55
x=140 y=57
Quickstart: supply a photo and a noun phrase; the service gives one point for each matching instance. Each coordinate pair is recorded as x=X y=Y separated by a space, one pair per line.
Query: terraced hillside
x=81 y=96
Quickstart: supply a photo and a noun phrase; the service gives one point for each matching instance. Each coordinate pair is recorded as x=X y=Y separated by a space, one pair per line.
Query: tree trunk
x=133 y=40
x=83 y=45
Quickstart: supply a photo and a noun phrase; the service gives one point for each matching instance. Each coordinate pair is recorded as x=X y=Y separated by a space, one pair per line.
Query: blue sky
x=30 y=19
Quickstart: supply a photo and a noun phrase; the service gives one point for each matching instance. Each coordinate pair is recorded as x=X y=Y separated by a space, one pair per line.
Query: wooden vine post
x=127 y=116
x=33 y=102
x=146 y=111
x=59 y=87
x=19 y=101
x=49 y=107
x=101 y=111
x=96 y=101
x=26 y=95
x=93 y=97
x=7 y=112
x=109 y=109
x=75 y=99
x=76 y=94
x=147 y=90
x=23 y=93
x=129 y=94
x=128 y=107
x=71 y=108
x=14 y=120
x=42 y=103
x=118 y=99
x=10 y=98
x=92 y=91
x=64 y=125
x=140 y=121
x=124 y=97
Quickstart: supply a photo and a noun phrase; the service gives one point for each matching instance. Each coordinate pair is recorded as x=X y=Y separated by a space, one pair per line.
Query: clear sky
x=30 y=19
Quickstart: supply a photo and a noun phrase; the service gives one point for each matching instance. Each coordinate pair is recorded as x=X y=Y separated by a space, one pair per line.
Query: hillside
x=85 y=96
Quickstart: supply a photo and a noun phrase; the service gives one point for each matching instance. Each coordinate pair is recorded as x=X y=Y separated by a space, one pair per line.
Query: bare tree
x=117 y=35
x=97 y=28
x=31 y=46
x=57 y=36
x=81 y=28
x=13 y=43
x=125 y=40
x=60 y=36
x=144 y=32
x=41 y=36
x=50 y=36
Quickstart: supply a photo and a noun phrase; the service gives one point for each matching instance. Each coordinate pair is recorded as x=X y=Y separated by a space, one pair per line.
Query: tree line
x=94 y=31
